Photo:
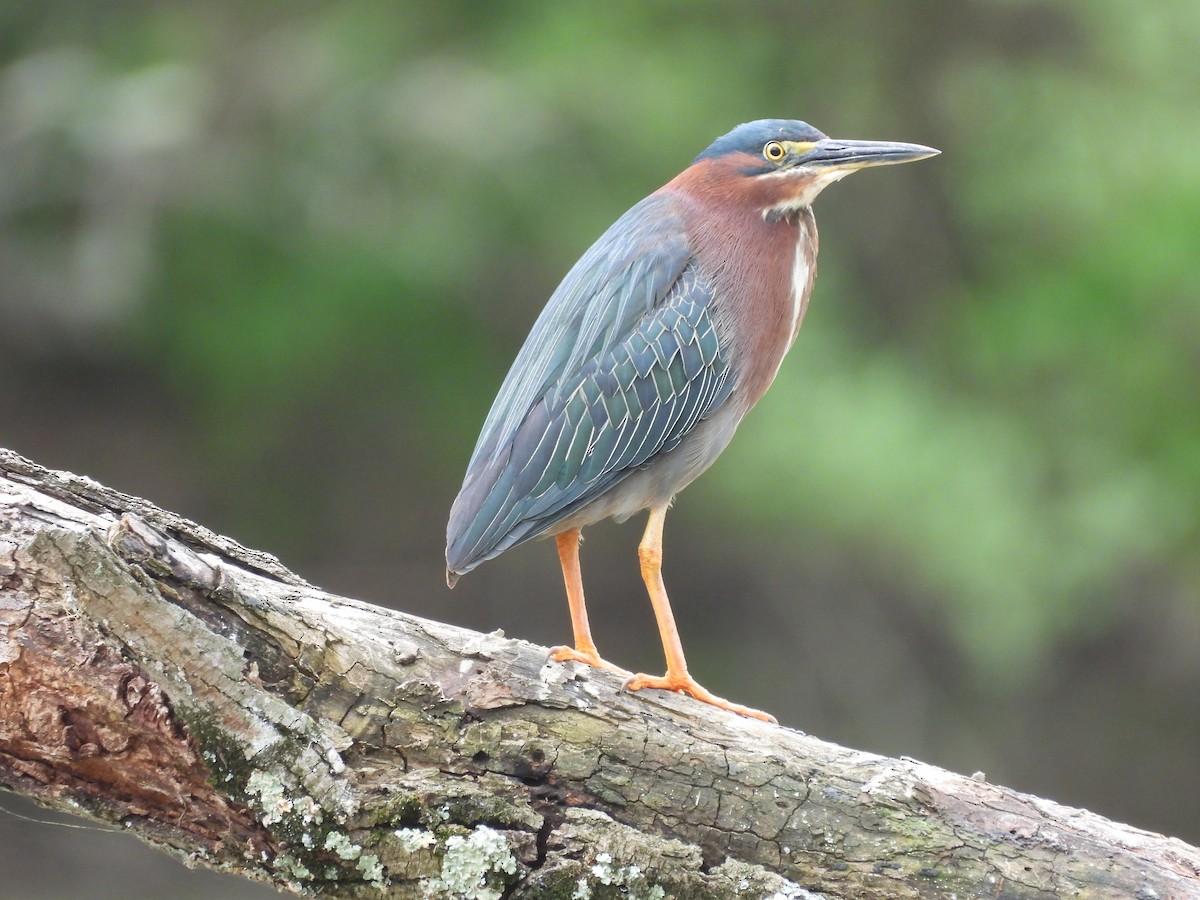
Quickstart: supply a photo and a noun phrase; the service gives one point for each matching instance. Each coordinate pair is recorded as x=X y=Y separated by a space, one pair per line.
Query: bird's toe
x=685 y=684
x=588 y=657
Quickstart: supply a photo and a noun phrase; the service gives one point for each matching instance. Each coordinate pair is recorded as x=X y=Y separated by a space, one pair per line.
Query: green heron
x=636 y=374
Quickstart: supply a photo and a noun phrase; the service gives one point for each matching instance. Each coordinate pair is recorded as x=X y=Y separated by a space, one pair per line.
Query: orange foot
x=587 y=656
x=687 y=685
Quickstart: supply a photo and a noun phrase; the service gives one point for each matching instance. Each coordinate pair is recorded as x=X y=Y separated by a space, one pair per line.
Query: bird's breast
x=764 y=273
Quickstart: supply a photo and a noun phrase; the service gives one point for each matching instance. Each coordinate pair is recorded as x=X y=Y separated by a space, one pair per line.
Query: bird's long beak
x=832 y=154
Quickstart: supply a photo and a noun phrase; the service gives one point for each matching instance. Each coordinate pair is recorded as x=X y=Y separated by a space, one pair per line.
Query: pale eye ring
x=774 y=151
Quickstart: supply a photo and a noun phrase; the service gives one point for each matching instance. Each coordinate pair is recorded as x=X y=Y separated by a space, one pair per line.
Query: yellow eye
x=774 y=151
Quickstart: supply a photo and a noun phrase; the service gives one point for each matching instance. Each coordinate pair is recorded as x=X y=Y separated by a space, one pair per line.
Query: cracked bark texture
x=159 y=676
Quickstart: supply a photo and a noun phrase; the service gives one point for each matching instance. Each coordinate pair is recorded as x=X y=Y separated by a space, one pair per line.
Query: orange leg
x=677 y=677
x=584 y=650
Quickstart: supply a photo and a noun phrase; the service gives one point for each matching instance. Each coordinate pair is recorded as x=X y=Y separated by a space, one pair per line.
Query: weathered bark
x=157 y=675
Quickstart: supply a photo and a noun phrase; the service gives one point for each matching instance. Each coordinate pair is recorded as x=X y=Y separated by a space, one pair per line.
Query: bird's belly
x=670 y=473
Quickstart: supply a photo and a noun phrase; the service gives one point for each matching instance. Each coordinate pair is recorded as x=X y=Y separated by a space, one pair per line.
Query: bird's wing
x=629 y=270
x=618 y=368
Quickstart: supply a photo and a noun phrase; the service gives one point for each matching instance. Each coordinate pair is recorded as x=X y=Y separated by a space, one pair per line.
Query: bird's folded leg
x=584 y=650
x=677 y=677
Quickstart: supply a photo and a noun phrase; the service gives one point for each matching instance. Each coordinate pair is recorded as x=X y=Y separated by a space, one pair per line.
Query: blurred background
x=266 y=265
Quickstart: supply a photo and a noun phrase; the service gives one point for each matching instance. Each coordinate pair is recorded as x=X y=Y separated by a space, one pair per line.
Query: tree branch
x=159 y=676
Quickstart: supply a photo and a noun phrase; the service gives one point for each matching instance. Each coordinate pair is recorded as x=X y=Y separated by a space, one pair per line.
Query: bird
x=646 y=358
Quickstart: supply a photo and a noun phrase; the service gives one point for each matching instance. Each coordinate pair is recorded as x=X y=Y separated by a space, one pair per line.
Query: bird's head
x=783 y=164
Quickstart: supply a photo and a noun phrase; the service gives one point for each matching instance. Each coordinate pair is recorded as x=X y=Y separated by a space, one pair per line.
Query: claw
x=685 y=684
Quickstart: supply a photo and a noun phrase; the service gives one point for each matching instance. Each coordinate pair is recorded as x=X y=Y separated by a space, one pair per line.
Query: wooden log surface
x=159 y=676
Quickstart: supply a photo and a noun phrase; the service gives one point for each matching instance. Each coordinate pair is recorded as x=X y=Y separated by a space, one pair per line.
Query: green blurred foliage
x=1037 y=447
x=260 y=202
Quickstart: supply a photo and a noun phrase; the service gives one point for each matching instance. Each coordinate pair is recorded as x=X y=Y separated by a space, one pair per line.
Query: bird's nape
x=646 y=358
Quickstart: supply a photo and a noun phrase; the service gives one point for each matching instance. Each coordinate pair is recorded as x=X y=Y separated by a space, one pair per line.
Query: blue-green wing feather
x=619 y=367
x=622 y=276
